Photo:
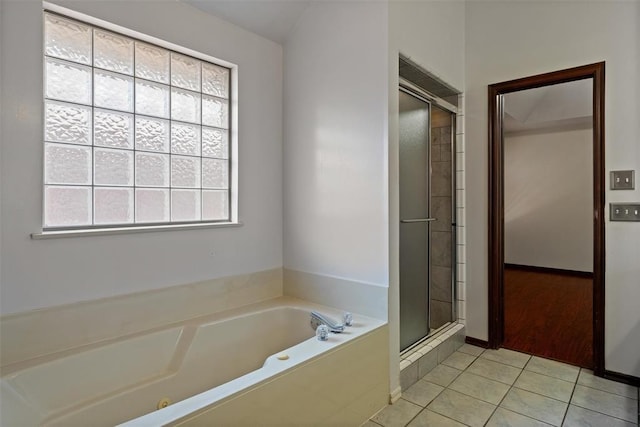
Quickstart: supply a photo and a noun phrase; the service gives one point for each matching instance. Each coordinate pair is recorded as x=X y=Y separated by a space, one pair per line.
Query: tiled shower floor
x=477 y=387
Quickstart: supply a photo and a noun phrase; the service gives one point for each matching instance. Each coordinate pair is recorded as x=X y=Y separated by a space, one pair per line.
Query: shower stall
x=427 y=212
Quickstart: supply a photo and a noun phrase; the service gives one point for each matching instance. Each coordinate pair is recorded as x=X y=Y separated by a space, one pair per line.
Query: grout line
x=543 y=395
x=506 y=364
x=435 y=412
x=605 y=391
x=551 y=376
x=511 y=387
x=595 y=410
x=442 y=415
x=484 y=376
x=422 y=408
x=478 y=398
x=575 y=383
x=598 y=412
x=476 y=356
x=378 y=412
x=522 y=415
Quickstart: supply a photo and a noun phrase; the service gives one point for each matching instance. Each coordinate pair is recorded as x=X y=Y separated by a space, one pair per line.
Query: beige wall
x=548 y=199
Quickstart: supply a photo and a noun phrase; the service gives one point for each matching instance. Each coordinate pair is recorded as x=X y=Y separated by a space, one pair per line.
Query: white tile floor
x=477 y=387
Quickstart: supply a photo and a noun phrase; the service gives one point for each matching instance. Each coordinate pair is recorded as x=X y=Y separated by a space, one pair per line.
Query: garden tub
x=260 y=364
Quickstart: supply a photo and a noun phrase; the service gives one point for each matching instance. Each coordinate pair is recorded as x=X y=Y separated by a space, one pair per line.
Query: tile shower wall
x=441 y=198
x=441 y=192
x=460 y=213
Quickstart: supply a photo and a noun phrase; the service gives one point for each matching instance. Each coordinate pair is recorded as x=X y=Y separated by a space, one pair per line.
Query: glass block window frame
x=135 y=133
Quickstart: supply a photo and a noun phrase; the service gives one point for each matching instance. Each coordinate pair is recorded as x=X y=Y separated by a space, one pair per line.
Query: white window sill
x=129 y=230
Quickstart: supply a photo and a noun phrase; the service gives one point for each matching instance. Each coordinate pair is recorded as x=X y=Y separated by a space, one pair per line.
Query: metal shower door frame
x=412 y=90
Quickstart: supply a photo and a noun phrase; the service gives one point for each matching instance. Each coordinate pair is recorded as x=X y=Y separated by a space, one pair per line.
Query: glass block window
x=134 y=133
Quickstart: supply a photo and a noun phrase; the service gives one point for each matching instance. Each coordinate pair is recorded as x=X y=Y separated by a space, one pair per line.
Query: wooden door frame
x=496 y=199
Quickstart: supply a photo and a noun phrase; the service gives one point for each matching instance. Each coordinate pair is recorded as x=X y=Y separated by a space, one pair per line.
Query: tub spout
x=320 y=319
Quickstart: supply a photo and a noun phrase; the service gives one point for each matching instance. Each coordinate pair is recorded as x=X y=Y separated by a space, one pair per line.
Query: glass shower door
x=414 y=123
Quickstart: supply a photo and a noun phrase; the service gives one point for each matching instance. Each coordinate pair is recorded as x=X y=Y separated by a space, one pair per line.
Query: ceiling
x=271 y=19
x=561 y=106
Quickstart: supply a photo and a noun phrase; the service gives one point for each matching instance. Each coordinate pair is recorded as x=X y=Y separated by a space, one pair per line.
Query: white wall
x=1 y=138
x=335 y=155
x=335 y=151
x=42 y=273
x=507 y=40
x=339 y=218
x=548 y=199
x=432 y=35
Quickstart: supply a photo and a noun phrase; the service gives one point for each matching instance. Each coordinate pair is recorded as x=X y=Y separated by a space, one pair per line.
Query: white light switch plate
x=624 y=212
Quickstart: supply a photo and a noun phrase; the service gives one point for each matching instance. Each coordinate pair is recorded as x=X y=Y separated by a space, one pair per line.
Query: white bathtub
x=213 y=369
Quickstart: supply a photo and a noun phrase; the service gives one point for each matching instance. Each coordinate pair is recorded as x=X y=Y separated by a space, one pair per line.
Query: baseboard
x=622 y=378
x=536 y=269
x=476 y=342
x=395 y=395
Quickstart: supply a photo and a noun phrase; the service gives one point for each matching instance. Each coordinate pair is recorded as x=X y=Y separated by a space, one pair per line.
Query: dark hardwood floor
x=549 y=315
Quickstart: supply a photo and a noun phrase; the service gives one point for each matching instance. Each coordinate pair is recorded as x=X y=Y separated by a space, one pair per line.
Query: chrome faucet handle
x=347 y=319
x=322 y=332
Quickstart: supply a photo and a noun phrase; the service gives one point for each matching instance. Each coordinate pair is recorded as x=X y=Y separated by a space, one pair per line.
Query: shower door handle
x=405 y=221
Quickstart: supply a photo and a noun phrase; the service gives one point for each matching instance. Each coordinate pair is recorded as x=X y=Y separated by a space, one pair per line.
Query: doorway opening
x=568 y=267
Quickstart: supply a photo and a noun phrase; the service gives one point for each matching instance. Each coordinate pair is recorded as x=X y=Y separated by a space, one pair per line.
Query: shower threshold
x=421 y=358
x=430 y=336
